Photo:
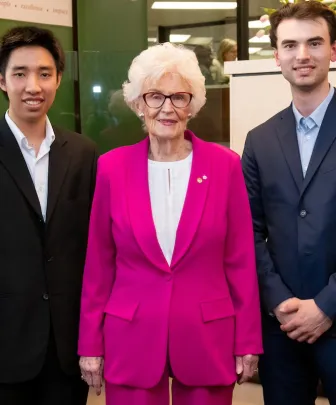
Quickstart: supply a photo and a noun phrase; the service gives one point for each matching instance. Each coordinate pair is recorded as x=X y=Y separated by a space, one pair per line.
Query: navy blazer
x=294 y=217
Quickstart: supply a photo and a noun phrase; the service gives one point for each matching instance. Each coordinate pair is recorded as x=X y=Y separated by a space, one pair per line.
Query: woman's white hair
x=156 y=61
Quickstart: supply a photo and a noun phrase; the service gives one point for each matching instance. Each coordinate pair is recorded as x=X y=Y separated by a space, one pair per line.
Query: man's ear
x=59 y=79
x=333 y=52
x=3 y=86
x=276 y=55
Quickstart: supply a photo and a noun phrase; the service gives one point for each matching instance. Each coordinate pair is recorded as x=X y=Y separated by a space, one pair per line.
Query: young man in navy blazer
x=290 y=171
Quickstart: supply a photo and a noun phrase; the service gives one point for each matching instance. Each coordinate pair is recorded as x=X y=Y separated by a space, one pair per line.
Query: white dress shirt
x=38 y=166
x=168 y=183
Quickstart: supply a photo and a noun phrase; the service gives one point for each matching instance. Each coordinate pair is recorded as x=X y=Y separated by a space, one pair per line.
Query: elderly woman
x=170 y=286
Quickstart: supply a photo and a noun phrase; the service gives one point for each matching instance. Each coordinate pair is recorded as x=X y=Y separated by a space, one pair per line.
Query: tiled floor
x=247 y=394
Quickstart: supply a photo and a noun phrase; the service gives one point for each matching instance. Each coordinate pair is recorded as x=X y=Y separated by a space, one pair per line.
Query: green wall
x=62 y=112
x=110 y=34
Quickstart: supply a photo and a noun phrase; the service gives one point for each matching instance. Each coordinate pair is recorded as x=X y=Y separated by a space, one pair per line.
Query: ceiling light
x=199 y=5
x=178 y=38
x=254 y=50
x=265 y=39
x=258 y=24
x=96 y=89
x=200 y=41
x=266 y=52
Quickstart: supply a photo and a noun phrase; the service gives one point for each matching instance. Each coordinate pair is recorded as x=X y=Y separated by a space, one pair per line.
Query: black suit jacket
x=294 y=217
x=41 y=263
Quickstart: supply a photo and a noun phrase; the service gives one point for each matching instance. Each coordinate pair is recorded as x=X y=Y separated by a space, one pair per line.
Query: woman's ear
x=139 y=109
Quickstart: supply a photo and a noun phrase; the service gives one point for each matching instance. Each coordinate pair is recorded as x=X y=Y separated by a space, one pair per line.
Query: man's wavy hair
x=305 y=10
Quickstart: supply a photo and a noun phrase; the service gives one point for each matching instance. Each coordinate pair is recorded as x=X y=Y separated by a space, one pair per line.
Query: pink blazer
x=204 y=308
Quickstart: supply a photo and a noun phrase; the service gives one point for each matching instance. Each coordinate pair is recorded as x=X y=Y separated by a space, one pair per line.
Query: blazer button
x=50 y=259
x=45 y=296
x=303 y=213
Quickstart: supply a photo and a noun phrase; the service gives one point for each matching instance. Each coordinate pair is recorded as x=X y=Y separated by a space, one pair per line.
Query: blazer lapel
x=12 y=158
x=325 y=139
x=58 y=165
x=286 y=131
x=199 y=180
x=139 y=205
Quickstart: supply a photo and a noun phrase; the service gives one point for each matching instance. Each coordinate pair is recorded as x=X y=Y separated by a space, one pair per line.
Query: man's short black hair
x=30 y=36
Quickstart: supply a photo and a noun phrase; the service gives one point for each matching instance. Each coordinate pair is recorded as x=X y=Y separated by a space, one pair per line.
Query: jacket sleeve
x=326 y=299
x=240 y=266
x=99 y=271
x=273 y=291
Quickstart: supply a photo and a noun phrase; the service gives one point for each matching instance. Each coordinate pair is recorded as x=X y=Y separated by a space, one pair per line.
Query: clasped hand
x=302 y=320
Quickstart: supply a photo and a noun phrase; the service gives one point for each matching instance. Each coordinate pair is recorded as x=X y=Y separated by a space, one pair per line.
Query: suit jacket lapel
x=325 y=139
x=199 y=180
x=286 y=131
x=12 y=158
x=139 y=205
x=59 y=159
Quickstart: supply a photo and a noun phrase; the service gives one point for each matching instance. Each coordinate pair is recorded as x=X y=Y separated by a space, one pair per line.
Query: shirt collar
x=316 y=117
x=20 y=137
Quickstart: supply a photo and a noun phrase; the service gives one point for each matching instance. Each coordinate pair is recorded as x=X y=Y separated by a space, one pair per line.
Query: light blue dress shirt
x=307 y=129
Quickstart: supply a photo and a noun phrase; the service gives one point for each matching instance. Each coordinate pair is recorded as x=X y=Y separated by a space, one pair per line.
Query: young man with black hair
x=47 y=178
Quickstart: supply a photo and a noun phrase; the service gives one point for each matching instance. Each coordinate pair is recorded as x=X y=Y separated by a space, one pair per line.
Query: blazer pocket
x=121 y=309
x=217 y=309
x=327 y=169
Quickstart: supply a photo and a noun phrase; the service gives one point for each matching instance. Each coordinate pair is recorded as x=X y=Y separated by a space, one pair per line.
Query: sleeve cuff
x=275 y=294
x=326 y=301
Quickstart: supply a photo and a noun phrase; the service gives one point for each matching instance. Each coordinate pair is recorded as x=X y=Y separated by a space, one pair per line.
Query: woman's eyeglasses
x=156 y=100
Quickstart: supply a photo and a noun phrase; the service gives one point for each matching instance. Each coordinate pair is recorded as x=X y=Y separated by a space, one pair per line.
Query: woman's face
x=231 y=55
x=167 y=121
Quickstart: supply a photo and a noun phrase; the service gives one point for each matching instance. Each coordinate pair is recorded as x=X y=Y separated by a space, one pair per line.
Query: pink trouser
x=159 y=395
